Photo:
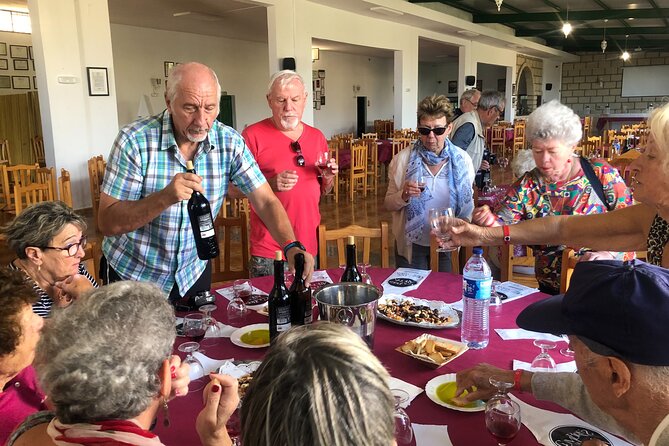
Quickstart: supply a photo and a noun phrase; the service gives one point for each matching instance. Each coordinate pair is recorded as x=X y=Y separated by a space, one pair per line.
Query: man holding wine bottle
x=143 y=211
x=294 y=158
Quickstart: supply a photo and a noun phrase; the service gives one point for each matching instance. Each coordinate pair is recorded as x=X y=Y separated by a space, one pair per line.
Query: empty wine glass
x=440 y=222
x=193 y=328
x=567 y=351
x=236 y=310
x=495 y=298
x=364 y=275
x=543 y=362
x=213 y=331
x=403 y=430
x=502 y=414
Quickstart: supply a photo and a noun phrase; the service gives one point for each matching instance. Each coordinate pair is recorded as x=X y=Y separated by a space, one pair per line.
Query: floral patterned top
x=532 y=197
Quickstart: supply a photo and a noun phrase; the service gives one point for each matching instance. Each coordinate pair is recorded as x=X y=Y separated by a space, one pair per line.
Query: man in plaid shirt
x=143 y=202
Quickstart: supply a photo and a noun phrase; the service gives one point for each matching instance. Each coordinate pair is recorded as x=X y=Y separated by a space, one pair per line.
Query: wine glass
x=403 y=430
x=440 y=222
x=212 y=326
x=495 y=298
x=322 y=160
x=421 y=181
x=567 y=351
x=193 y=328
x=236 y=310
x=502 y=414
x=543 y=362
x=242 y=289
x=364 y=275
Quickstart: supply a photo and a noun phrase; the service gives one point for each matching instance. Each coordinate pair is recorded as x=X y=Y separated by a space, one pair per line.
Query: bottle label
x=477 y=289
x=206 y=226
x=283 y=318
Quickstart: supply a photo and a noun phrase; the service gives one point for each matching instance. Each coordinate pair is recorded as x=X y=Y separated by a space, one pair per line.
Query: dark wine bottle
x=300 y=296
x=202 y=223
x=351 y=273
x=278 y=301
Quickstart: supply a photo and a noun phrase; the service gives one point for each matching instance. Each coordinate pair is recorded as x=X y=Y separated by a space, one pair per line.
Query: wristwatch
x=292 y=244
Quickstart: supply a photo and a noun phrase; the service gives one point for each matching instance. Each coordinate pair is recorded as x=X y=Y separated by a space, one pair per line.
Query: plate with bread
x=432 y=350
x=441 y=390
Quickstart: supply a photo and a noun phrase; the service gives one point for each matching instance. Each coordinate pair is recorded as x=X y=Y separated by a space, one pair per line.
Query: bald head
x=191 y=75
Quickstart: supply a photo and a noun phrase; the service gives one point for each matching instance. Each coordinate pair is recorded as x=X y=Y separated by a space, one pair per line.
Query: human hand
x=332 y=169
x=483 y=216
x=182 y=187
x=485 y=165
x=308 y=263
x=466 y=234
x=478 y=377
x=72 y=287
x=410 y=189
x=589 y=256
x=221 y=399
x=180 y=379
x=284 y=181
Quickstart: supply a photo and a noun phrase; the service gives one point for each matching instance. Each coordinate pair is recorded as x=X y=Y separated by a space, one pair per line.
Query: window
x=15 y=21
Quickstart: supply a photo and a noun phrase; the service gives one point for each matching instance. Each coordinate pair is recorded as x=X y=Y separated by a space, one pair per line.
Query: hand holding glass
x=440 y=222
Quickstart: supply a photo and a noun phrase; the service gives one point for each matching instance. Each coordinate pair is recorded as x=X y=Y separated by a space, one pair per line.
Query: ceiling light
x=385 y=11
x=499 y=4
x=625 y=56
x=566 y=28
x=604 y=43
x=315 y=54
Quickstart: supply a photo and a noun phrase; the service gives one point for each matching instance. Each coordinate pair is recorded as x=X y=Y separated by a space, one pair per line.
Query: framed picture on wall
x=452 y=86
x=21 y=64
x=21 y=82
x=18 y=51
x=479 y=85
x=5 y=82
x=169 y=66
x=3 y=49
x=322 y=100
x=321 y=74
x=4 y=64
x=98 y=83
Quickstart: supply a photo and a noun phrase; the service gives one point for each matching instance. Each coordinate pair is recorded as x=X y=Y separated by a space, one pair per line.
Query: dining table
x=464 y=428
x=384 y=153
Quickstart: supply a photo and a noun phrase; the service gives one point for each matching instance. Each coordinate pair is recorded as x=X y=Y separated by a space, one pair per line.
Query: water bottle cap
x=477 y=250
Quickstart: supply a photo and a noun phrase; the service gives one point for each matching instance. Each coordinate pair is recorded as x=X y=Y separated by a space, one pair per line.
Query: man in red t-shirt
x=287 y=151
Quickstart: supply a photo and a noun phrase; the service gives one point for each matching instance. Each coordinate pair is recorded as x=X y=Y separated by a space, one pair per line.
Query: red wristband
x=507 y=234
x=517 y=374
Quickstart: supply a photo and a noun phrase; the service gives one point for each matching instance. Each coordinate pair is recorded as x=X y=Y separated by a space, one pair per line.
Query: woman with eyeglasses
x=433 y=173
x=48 y=239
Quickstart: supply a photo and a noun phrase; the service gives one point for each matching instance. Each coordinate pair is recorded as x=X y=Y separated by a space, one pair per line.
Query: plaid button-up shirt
x=143 y=160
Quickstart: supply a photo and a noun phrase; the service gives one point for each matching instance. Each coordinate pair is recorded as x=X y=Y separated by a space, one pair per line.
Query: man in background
x=468 y=102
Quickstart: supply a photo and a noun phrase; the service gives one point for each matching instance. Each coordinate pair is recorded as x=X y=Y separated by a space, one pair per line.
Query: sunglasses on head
x=426 y=131
x=299 y=159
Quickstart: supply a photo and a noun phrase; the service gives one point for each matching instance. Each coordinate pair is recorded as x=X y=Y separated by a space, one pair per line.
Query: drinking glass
x=322 y=160
x=236 y=310
x=193 y=328
x=495 y=298
x=403 y=430
x=242 y=289
x=543 y=362
x=502 y=414
x=364 y=275
x=212 y=326
x=421 y=181
x=440 y=222
x=567 y=351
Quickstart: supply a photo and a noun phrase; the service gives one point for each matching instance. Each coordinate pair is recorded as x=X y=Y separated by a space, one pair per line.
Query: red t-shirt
x=272 y=151
x=21 y=397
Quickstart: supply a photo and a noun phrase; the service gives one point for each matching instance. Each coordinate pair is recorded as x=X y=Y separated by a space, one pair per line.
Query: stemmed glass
x=421 y=181
x=502 y=414
x=403 y=430
x=543 y=362
x=567 y=351
x=236 y=309
x=212 y=326
x=440 y=222
x=495 y=298
x=322 y=160
x=364 y=275
x=194 y=328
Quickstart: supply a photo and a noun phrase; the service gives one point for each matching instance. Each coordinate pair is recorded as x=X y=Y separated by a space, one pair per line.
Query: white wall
x=22 y=40
x=433 y=78
x=552 y=75
x=374 y=75
x=489 y=75
x=140 y=53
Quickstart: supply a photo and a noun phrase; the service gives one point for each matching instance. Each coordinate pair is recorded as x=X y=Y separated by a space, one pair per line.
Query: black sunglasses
x=426 y=131
x=299 y=159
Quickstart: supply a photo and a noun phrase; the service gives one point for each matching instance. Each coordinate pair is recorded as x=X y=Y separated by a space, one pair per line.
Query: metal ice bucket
x=351 y=304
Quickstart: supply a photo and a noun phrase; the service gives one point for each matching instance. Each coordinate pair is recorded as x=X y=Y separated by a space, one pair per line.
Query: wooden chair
x=96 y=172
x=48 y=175
x=21 y=174
x=37 y=147
x=358 y=171
x=373 y=171
x=222 y=266
x=340 y=235
x=509 y=260
x=65 y=187
x=5 y=157
x=587 y=122
x=569 y=262
x=370 y=136
x=518 y=136
x=400 y=144
x=497 y=143
x=34 y=193
x=622 y=165
x=93 y=254
x=434 y=257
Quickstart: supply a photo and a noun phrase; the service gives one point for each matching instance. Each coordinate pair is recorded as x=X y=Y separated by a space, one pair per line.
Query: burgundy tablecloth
x=384 y=155
x=465 y=429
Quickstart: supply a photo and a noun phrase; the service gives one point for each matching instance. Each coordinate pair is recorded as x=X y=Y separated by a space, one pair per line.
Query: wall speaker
x=549 y=87
x=288 y=63
x=470 y=81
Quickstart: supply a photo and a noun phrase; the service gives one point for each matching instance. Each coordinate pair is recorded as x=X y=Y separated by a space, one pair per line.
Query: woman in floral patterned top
x=557 y=186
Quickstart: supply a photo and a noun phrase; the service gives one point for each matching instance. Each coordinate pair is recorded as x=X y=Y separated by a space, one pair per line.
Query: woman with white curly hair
x=561 y=184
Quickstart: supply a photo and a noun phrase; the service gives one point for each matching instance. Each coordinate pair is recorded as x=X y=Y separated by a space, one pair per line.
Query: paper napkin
x=563 y=367
x=229 y=293
x=208 y=364
x=431 y=435
x=519 y=333
x=418 y=275
x=413 y=391
x=224 y=331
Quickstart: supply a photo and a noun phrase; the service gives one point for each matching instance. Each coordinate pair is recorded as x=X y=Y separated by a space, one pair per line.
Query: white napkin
x=413 y=391
x=237 y=371
x=208 y=364
x=563 y=367
x=229 y=293
x=405 y=273
x=551 y=428
x=431 y=435
x=225 y=331
x=514 y=291
x=519 y=333
x=321 y=276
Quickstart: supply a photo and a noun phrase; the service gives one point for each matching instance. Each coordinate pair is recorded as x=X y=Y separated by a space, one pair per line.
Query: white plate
x=443 y=308
x=236 y=336
x=431 y=392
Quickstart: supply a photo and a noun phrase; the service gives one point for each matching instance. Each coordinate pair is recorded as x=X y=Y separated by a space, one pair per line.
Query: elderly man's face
x=468 y=105
x=594 y=372
x=287 y=104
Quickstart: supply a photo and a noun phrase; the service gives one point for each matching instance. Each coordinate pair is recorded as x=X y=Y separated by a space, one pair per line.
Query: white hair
x=554 y=121
x=284 y=77
x=522 y=162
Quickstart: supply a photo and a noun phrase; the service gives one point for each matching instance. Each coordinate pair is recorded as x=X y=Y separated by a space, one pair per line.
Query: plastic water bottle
x=476 y=287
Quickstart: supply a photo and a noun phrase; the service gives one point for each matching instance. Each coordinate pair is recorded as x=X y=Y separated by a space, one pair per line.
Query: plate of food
x=441 y=390
x=251 y=336
x=415 y=312
x=432 y=350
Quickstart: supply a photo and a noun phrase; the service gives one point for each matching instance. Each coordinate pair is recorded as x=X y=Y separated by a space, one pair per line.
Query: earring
x=166 y=414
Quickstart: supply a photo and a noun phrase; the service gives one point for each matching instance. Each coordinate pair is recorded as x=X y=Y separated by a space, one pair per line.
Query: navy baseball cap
x=615 y=308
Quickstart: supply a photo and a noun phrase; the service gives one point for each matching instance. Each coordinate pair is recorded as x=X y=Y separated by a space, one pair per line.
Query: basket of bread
x=432 y=350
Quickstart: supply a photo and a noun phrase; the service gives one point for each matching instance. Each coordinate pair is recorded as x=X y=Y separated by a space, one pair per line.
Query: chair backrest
x=65 y=187
x=96 y=172
x=234 y=232
x=48 y=175
x=37 y=147
x=360 y=232
x=5 y=157
x=509 y=259
x=358 y=159
x=498 y=133
x=370 y=135
x=92 y=256
x=23 y=174
x=622 y=165
x=34 y=193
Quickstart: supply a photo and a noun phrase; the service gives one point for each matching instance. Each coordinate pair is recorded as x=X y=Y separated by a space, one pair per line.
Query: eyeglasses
x=426 y=131
x=72 y=249
x=299 y=159
x=499 y=110
x=475 y=104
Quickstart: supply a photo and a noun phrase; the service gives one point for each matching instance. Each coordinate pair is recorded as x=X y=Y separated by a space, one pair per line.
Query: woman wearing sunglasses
x=433 y=173
x=48 y=239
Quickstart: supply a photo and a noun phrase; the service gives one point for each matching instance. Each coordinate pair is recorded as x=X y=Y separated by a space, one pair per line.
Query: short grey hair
x=490 y=99
x=319 y=385
x=177 y=74
x=284 y=77
x=39 y=224
x=554 y=121
x=468 y=95
x=100 y=359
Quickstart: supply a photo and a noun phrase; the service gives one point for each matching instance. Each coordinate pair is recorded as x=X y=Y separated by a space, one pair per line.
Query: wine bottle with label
x=351 y=273
x=300 y=296
x=278 y=301
x=202 y=223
